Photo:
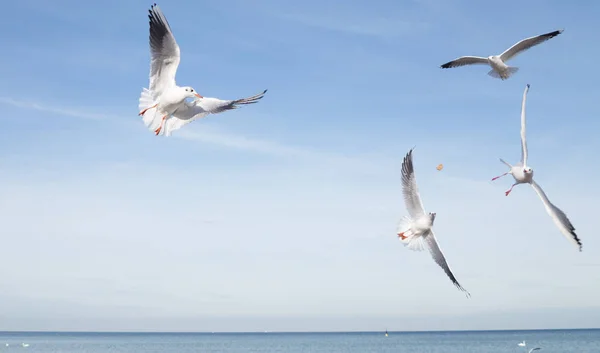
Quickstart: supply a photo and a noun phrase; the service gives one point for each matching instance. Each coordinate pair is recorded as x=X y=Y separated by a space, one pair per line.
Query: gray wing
x=200 y=108
x=558 y=216
x=465 y=60
x=523 y=139
x=164 y=52
x=526 y=44
x=534 y=349
x=412 y=199
x=439 y=258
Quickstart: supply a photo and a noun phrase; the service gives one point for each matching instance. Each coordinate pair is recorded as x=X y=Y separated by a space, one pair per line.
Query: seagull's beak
x=197 y=95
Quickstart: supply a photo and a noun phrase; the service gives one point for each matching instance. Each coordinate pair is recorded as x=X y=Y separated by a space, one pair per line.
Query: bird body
x=171 y=99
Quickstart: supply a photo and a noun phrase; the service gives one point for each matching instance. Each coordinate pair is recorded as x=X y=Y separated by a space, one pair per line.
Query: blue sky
x=282 y=215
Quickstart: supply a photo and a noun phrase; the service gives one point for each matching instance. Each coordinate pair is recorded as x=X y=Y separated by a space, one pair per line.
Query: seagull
x=418 y=232
x=163 y=106
x=522 y=344
x=522 y=173
x=497 y=62
x=534 y=349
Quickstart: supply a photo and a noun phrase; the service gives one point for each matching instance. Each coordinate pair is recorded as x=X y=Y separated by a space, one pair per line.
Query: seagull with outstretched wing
x=163 y=106
x=523 y=174
x=416 y=230
x=498 y=62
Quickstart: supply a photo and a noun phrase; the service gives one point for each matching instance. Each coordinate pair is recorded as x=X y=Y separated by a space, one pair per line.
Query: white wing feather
x=439 y=258
x=523 y=139
x=465 y=60
x=203 y=107
x=559 y=217
x=526 y=44
x=412 y=199
x=164 y=51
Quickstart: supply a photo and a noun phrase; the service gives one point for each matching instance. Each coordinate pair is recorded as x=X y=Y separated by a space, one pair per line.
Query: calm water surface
x=557 y=341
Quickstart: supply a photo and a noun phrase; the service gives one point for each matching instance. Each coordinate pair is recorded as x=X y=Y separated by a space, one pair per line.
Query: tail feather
x=505 y=74
x=146 y=101
x=411 y=240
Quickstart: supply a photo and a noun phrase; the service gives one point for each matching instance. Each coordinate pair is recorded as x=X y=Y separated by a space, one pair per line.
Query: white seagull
x=164 y=107
x=497 y=62
x=417 y=232
x=522 y=344
x=522 y=173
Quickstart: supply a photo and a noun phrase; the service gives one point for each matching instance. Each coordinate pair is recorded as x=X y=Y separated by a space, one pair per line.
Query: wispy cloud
x=209 y=135
x=241 y=142
x=213 y=136
x=54 y=110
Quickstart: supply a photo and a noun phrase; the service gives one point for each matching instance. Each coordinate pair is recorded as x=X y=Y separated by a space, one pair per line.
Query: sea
x=550 y=341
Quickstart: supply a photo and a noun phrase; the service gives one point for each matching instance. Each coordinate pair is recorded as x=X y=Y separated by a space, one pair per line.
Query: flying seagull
x=163 y=106
x=417 y=232
x=497 y=62
x=522 y=173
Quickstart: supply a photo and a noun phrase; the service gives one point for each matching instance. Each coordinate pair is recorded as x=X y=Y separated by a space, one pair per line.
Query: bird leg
x=509 y=190
x=144 y=111
x=499 y=176
x=157 y=131
x=402 y=236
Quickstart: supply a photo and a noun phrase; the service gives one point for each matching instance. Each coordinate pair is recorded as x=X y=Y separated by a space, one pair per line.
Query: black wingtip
x=407 y=161
x=578 y=241
x=553 y=34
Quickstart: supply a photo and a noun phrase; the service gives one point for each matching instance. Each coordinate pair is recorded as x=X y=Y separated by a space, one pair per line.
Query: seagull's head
x=189 y=92
x=527 y=170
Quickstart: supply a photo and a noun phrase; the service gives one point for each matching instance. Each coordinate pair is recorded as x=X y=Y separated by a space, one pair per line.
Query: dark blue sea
x=551 y=341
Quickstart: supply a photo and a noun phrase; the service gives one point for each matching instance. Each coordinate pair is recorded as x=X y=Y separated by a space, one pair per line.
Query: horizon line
x=292 y=332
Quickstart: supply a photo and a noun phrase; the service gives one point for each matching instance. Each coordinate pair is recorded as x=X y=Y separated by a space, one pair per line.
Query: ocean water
x=551 y=341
